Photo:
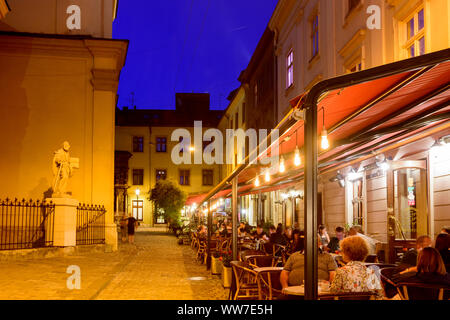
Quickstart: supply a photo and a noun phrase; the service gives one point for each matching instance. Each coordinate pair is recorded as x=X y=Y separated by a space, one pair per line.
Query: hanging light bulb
x=257 y=181
x=267 y=176
x=282 y=167
x=297 y=158
x=324 y=143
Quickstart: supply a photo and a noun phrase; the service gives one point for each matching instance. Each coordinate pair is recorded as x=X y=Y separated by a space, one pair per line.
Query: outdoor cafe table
x=300 y=291
x=262 y=269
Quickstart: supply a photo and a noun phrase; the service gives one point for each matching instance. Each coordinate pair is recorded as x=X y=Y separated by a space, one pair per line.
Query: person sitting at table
x=355 y=276
x=293 y=272
x=333 y=246
x=442 y=244
x=242 y=229
x=297 y=243
x=259 y=233
x=276 y=236
x=202 y=232
x=430 y=269
x=324 y=237
x=287 y=234
x=410 y=257
x=371 y=243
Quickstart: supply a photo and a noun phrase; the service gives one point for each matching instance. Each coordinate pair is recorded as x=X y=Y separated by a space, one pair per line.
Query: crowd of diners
x=342 y=263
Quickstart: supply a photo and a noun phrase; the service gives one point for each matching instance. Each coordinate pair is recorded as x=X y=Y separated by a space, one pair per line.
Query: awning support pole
x=208 y=250
x=310 y=186
x=234 y=217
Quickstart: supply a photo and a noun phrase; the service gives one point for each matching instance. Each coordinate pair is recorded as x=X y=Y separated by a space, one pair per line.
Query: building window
x=208 y=177
x=161 y=174
x=315 y=36
x=352 y=4
x=184 y=177
x=415 y=34
x=137 y=207
x=138 y=144
x=138 y=177
x=161 y=144
x=355 y=67
x=290 y=69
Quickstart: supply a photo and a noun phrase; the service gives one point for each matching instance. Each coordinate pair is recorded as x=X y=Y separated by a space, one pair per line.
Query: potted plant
x=216 y=263
x=226 y=270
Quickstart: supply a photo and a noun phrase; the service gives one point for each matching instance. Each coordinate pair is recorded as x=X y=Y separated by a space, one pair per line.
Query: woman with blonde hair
x=355 y=276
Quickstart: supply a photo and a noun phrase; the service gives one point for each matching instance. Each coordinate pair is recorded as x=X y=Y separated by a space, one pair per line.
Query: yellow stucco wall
x=52 y=90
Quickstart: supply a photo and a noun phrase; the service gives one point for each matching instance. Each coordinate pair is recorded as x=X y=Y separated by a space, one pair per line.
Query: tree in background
x=168 y=197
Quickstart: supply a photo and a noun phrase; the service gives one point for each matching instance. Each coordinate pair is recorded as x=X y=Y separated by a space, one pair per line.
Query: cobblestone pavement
x=155 y=268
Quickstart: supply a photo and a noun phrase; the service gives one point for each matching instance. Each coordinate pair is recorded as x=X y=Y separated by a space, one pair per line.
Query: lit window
x=161 y=174
x=415 y=34
x=290 y=69
x=315 y=35
x=138 y=208
x=355 y=68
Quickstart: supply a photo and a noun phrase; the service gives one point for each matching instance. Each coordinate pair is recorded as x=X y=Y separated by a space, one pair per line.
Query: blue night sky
x=187 y=46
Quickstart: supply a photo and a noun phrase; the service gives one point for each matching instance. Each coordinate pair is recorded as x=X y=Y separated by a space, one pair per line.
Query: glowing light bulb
x=267 y=176
x=257 y=181
x=297 y=158
x=324 y=143
x=282 y=167
x=191 y=148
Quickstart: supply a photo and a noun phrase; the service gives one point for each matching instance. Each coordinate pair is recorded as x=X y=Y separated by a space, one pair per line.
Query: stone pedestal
x=111 y=237
x=65 y=222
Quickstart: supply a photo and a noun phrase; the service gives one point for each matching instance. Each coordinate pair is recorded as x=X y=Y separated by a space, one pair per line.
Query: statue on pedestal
x=62 y=166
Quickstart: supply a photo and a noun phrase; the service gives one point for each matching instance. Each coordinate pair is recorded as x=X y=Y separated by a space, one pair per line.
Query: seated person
x=442 y=244
x=324 y=237
x=276 y=236
x=293 y=272
x=333 y=246
x=259 y=234
x=355 y=276
x=243 y=229
x=297 y=243
x=430 y=269
x=372 y=243
x=202 y=232
x=410 y=258
x=287 y=234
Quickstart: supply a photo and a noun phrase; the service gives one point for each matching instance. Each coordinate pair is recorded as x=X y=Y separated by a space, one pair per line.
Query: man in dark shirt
x=410 y=257
x=333 y=246
x=259 y=233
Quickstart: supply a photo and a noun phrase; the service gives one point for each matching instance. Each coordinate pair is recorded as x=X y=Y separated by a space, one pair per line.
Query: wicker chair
x=243 y=254
x=269 y=285
x=423 y=291
x=245 y=281
x=258 y=261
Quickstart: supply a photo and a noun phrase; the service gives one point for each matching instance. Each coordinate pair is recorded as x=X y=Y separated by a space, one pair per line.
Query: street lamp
x=137 y=193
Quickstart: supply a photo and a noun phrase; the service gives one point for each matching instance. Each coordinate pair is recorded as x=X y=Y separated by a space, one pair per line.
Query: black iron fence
x=26 y=224
x=90 y=224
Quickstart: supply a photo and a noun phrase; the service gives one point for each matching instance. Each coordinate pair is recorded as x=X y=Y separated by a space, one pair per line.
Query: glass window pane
x=421 y=22
x=422 y=46
x=410 y=28
x=412 y=51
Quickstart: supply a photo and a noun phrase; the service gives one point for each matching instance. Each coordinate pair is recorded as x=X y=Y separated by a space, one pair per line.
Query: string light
x=297 y=158
x=324 y=143
x=257 y=181
x=267 y=176
x=282 y=167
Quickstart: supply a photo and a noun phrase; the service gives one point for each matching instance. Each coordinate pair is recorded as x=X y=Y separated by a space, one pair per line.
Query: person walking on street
x=132 y=225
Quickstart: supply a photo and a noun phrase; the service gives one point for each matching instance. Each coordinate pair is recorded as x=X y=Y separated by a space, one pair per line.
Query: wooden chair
x=245 y=253
x=194 y=240
x=258 y=261
x=201 y=250
x=371 y=295
x=269 y=285
x=371 y=258
x=245 y=281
